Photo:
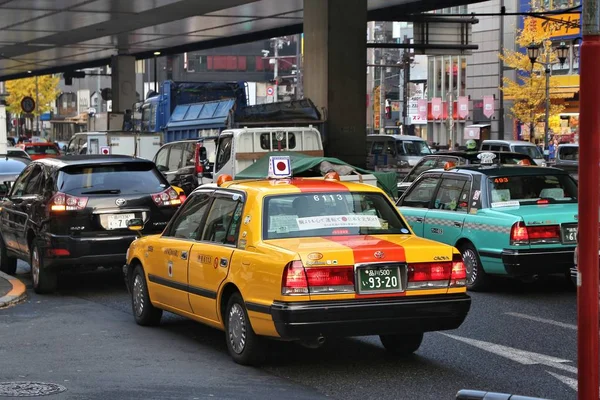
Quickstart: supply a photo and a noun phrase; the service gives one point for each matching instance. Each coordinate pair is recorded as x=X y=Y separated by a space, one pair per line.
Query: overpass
x=49 y=36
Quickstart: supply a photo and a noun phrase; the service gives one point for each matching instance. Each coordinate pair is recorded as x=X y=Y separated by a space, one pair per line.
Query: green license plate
x=383 y=279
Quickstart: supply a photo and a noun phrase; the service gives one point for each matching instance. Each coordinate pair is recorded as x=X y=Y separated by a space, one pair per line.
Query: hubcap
x=138 y=295
x=470 y=260
x=237 y=328
x=35 y=267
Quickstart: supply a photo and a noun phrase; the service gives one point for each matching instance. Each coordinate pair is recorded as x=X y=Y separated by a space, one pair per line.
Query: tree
x=528 y=91
x=47 y=93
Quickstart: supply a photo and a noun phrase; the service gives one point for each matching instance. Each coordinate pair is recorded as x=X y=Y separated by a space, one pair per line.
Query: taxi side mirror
x=135 y=224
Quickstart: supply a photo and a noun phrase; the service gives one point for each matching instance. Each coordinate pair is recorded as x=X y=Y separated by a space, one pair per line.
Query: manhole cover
x=29 y=389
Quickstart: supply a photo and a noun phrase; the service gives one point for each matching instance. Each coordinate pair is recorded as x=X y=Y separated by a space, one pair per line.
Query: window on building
x=260 y=63
x=251 y=63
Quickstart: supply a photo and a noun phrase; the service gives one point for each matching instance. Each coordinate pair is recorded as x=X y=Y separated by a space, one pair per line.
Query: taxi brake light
x=294 y=279
x=429 y=275
x=197 y=162
x=330 y=279
x=458 y=276
x=521 y=234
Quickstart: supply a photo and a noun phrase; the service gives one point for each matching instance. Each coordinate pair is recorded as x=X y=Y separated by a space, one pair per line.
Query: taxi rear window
x=329 y=214
x=529 y=189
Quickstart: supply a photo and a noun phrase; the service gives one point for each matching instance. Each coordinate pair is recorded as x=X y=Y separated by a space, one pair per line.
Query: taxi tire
x=402 y=344
x=254 y=349
x=481 y=280
x=8 y=265
x=46 y=281
x=150 y=315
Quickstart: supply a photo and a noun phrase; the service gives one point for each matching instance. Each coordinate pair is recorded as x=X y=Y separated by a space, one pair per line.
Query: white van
x=237 y=149
x=515 y=146
x=122 y=143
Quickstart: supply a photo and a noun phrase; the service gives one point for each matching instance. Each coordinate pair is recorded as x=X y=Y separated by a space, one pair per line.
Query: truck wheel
x=44 y=281
x=8 y=265
x=402 y=345
x=476 y=276
x=144 y=312
x=245 y=347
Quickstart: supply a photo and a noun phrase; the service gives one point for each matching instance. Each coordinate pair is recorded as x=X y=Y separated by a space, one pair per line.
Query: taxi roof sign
x=280 y=167
x=486 y=158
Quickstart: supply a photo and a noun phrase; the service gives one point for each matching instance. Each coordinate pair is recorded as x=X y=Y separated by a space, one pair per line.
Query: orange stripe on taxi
x=313 y=185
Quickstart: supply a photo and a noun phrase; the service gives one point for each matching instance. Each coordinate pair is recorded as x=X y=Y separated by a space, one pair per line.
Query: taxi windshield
x=330 y=214
x=529 y=189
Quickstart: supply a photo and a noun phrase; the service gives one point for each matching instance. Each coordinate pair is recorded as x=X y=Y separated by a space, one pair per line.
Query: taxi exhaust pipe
x=313 y=343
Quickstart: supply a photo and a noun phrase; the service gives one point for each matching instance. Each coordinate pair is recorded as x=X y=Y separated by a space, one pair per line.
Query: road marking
x=572 y=383
x=543 y=320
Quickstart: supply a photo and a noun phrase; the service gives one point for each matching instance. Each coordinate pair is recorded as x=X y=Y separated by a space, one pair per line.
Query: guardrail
x=480 y=395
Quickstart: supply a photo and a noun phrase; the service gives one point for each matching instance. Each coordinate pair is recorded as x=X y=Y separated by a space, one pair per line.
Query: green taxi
x=517 y=221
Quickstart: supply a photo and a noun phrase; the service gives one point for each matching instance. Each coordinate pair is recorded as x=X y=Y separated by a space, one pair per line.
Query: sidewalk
x=12 y=290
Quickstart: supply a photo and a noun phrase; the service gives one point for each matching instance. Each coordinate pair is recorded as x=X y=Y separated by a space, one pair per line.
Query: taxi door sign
x=105 y=150
x=280 y=167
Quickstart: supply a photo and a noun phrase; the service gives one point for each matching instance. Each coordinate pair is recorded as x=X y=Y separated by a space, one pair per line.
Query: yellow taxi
x=298 y=259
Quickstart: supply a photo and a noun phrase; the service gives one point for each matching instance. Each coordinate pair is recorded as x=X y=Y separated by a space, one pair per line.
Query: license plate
x=119 y=221
x=569 y=233
x=381 y=279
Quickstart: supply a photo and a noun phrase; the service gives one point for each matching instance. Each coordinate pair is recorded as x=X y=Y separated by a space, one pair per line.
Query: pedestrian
x=552 y=149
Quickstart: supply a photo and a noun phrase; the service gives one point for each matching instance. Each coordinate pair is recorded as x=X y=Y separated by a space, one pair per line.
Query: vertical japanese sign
x=422 y=107
x=463 y=107
x=436 y=107
x=488 y=106
x=377 y=108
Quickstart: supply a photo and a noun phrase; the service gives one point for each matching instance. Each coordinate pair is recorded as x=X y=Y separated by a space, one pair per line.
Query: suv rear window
x=127 y=178
x=37 y=149
x=330 y=214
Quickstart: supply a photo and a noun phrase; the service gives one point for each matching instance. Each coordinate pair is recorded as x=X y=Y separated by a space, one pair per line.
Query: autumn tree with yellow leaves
x=47 y=93
x=528 y=91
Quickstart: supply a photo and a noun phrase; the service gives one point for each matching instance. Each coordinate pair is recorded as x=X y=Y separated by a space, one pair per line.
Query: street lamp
x=533 y=52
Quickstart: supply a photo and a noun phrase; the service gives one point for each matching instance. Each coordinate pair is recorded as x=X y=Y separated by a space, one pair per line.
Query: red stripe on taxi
x=313 y=185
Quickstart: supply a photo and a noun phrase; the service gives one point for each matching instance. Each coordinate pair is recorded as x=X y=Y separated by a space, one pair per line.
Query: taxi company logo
x=379 y=254
x=120 y=202
x=315 y=256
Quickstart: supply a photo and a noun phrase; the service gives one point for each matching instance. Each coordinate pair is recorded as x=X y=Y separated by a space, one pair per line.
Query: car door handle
x=458 y=224
x=419 y=219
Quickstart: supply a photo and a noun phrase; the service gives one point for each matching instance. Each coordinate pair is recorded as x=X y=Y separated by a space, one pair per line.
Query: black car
x=442 y=159
x=10 y=169
x=184 y=163
x=72 y=213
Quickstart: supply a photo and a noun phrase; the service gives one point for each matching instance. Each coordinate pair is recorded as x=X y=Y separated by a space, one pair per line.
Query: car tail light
x=58 y=252
x=182 y=197
x=316 y=280
x=167 y=197
x=522 y=234
x=429 y=275
x=65 y=202
x=458 y=276
x=198 y=164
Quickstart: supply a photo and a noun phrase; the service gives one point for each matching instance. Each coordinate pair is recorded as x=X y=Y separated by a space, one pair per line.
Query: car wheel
x=402 y=345
x=144 y=312
x=44 y=281
x=245 y=347
x=8 y=264
x=476 y=276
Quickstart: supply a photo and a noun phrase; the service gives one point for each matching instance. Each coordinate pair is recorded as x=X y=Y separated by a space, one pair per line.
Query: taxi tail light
x=522 y=234
x=458 y=276
x=294 y=280
x=167 y=197
x=65 y=202
x=197 y=162
x=429 y=275
x=330 y=279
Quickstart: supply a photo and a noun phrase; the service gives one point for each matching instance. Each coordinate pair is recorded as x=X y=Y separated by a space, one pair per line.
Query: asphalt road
x=519 y=339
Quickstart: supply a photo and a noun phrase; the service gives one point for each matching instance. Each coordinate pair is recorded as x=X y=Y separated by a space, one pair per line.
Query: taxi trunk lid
x=543 y=214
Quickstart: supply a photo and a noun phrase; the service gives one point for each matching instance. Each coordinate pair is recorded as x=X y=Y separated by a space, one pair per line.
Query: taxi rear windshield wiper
x=103 y=191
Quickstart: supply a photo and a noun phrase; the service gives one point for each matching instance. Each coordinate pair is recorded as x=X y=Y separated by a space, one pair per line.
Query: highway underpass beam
x=123 y=82
x=335 y=58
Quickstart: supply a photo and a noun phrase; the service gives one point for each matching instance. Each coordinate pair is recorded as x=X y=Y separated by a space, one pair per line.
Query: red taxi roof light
x=294 y=279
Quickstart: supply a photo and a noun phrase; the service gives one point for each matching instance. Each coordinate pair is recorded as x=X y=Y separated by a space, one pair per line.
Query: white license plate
x=119 y=221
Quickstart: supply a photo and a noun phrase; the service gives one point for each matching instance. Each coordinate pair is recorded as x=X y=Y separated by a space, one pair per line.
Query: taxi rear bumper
x=363 y=317
x=537 y=261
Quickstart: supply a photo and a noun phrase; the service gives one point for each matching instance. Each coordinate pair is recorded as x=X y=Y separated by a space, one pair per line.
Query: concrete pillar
x=335 y=57
x=123 y=82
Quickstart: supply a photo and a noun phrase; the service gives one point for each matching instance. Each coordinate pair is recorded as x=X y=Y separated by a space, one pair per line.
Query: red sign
x=422 y=109
x=488 y=106
x=463 y=107
x=436 y=107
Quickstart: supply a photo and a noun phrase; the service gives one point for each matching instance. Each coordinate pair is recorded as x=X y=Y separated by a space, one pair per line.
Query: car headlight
x=544 y=164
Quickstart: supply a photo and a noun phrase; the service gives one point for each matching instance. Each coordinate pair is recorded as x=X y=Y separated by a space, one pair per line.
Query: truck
x=115 y=142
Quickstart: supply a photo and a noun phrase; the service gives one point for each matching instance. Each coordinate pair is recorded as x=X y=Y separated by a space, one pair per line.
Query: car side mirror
x=162 y=168
x=135 y=224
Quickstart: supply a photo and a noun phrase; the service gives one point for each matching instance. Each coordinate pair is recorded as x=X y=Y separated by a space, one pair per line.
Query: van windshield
x=531 y=151
x=413 y=148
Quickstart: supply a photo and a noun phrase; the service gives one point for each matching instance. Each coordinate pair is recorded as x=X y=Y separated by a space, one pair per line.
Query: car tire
x=477 y=279
x=8 y=265
x=402 y=344
x=144 y=312
x=44 y=281
x=245 y=346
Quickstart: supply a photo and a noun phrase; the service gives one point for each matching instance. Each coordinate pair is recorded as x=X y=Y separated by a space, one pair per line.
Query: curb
x=17 y=294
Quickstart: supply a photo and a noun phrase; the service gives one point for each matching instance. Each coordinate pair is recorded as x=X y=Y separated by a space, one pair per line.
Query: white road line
x=572 y=383
x=542 y=320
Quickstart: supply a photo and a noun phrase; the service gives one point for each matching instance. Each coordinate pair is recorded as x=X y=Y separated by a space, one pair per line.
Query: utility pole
x=37 y=107
x=276 y=69
x=299 y=88
x=501 y=73
x=547 y=118
x=382 y=96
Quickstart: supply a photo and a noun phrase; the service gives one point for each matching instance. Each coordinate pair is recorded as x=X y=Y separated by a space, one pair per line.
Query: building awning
x=474 y=131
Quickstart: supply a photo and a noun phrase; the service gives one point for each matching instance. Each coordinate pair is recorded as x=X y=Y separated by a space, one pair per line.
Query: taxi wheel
x=476 y=276
x=8 y=264
x=144 y=312
x=44 y=281
x=402 y=345
x=245 y=346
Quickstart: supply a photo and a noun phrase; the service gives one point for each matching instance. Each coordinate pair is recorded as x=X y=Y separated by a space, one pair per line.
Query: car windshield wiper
x=103 y=191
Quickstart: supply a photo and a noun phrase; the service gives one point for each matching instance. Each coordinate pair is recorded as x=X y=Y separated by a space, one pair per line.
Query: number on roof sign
x=486 y=158
x=501 y=180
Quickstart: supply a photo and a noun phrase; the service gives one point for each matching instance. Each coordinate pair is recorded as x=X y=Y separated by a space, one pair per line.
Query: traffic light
x=106 y=94
x=69 y=75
